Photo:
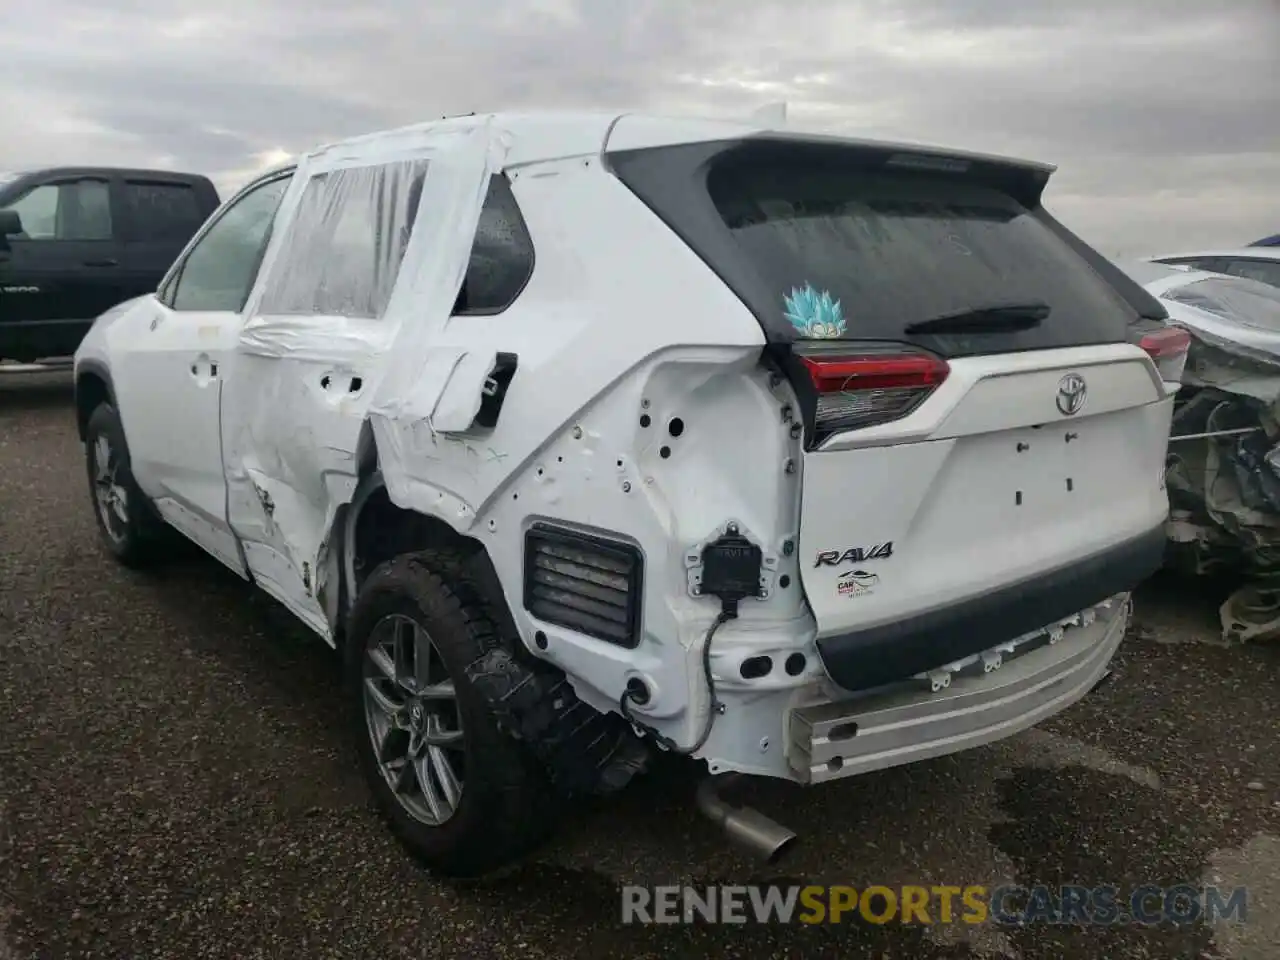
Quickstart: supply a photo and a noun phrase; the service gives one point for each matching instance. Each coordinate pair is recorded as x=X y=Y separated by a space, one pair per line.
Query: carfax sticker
x=856 y=583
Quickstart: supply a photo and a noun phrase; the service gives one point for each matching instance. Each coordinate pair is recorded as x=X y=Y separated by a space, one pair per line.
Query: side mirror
x=10 y=225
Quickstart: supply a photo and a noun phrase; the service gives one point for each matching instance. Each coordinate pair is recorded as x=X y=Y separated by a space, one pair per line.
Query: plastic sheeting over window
x=344 y=247
x=1241 y=300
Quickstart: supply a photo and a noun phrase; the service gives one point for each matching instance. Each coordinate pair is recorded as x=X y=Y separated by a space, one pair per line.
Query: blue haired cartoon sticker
x=814 y=315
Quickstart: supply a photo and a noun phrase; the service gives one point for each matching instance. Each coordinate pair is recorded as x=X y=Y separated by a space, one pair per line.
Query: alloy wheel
x=411 y=709
x=109 y=493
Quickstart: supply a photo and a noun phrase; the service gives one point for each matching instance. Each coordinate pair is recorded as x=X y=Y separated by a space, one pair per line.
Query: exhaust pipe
x=748 y=829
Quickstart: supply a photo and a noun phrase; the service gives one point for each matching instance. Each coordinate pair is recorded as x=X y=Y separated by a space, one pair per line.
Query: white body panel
x=168 y=371
x=987 y=483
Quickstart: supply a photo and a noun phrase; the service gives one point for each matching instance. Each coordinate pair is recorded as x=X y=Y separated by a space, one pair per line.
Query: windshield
x=8 y=177
x=1240 y=300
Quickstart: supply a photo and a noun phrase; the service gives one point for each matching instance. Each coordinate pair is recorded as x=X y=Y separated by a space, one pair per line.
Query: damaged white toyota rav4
x=587 y=437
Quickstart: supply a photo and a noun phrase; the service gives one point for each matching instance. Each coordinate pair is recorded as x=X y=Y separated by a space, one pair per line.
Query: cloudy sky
x=1163 y=115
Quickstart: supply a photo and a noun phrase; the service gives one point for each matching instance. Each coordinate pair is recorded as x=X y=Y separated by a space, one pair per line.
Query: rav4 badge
x=833 y=558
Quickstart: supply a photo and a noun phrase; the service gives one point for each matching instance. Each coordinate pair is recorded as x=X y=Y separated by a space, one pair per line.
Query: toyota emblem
x=1071 y=394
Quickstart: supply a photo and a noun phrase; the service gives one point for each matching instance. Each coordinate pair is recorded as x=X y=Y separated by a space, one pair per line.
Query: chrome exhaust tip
x=746 y=828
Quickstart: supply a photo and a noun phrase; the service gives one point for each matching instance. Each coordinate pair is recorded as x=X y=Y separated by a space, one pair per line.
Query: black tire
x=141 y=538
x=506 y=806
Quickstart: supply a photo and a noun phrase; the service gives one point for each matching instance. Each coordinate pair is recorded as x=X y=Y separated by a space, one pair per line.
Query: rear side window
x=342 y=252
x=501 y=256
x=1265 y=271
x=824 y=243
x=162 y=212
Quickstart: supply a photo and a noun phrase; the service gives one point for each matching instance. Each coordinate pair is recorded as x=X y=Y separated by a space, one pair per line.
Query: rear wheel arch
x=374 y=530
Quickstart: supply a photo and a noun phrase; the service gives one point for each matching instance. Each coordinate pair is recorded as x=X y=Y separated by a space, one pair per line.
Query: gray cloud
x=1161 y=114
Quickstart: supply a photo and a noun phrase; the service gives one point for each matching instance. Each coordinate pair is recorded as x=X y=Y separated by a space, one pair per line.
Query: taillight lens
x=1168 y=348
x=856 y=390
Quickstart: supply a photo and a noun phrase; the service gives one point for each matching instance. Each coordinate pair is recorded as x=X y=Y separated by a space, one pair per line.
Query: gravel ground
x=175 y=782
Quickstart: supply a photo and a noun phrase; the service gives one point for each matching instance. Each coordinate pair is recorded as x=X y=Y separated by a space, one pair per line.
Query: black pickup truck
x=75 y=241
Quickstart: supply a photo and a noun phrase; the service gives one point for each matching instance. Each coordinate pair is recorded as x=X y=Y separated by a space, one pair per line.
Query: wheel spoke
x=102 y=459
x=404 y=650
x=393 y=709
x=443 y=738
x=394 y=745
x=406 y=776
x=443 y=768
x=436 y=735
x=120 y=503
x=439 y=691
x=379 y=658
x=439 y=806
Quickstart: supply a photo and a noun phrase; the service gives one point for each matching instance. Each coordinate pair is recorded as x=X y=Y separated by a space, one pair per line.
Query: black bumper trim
x=895 y=651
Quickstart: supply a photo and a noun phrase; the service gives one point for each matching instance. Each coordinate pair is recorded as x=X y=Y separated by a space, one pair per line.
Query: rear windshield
x=839 y=251
x=1250 y=302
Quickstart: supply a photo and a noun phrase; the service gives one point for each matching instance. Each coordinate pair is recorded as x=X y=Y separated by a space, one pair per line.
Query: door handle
x=104 y=262
x=204 y=368
x=353 y=383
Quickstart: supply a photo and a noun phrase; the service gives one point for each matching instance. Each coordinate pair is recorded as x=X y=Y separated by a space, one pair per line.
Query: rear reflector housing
x=851 y=388
x=586 y=583
x=1168 y=348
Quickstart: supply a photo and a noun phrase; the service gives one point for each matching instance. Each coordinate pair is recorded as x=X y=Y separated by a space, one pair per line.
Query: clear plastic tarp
x=1238 y=299
x=343 y=249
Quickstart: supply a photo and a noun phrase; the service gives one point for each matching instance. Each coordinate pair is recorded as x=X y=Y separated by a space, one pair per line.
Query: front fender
x=92 y=362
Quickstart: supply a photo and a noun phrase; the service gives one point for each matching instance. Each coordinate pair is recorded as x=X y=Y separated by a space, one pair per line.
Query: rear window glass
x=861 y=255
x=163 y=212
x=1249 y=302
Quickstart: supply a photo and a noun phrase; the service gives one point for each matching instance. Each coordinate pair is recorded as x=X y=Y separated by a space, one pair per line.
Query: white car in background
x=1220 y=308
x=591 y=435
x=1260 y=263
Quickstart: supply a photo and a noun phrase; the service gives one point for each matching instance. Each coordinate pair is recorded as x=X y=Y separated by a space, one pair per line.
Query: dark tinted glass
x=870 y=253
x=167 y=212
x=501 y=257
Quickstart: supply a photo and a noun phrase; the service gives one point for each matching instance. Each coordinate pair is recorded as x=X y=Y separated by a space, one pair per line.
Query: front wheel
x=129 y=529
x=462 y=795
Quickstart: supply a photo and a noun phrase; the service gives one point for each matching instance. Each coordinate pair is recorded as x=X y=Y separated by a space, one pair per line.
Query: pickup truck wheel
x=464 y=797
x=129 y=527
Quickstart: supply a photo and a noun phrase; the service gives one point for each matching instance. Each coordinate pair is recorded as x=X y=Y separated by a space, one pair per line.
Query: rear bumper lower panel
x=864 y=659
x=917 y=720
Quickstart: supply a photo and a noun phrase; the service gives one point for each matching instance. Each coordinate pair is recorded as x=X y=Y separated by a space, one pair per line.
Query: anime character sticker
x=814 y=315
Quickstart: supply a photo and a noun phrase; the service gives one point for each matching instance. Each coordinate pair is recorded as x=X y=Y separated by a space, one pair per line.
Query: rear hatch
x=986 y=401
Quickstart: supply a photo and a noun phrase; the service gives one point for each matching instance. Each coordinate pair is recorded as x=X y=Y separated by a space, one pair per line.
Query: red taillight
x=1168 y=347
x=862 y=390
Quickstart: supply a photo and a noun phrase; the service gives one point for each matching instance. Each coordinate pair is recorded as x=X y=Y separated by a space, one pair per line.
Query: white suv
x=589 y=436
